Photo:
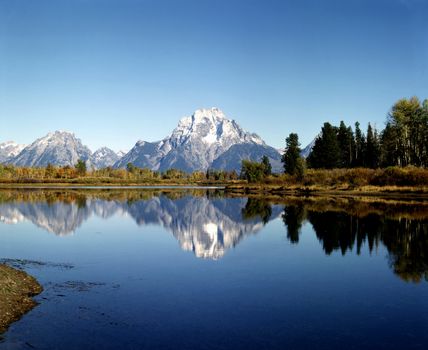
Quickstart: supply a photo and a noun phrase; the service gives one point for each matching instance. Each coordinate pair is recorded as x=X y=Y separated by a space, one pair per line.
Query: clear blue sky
x=118 y=71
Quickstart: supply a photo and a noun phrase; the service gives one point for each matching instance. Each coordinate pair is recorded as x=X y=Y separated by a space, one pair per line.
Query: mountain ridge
x=207 y=139
x=195 y=144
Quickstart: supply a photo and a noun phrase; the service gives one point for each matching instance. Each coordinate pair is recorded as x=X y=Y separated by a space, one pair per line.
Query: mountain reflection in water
x=209 y=224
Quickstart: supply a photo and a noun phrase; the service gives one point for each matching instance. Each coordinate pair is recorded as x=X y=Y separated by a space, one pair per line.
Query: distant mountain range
x=206 y=139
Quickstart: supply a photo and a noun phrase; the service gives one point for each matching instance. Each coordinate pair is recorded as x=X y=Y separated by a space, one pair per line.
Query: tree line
x=403 y=142
x=80 y=173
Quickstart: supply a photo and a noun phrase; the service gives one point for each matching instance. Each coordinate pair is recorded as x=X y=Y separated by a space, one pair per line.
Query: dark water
x=195 y=270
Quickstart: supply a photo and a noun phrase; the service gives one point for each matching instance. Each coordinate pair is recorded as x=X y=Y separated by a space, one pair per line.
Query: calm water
x=195 y=270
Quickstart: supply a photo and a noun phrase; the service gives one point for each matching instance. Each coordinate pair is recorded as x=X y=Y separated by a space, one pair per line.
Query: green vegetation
x=341 y=159
x=326 y=153
x=254 y=171
x=293 y=162
x=81 y=167
x=403 y=142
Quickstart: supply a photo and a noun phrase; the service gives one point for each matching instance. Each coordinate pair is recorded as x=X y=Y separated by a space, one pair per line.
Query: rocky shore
x=16 y=291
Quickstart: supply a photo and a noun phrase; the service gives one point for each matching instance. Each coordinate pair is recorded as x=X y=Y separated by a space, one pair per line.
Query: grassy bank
x=356 y=181
x=411 y=180
x=16 y=290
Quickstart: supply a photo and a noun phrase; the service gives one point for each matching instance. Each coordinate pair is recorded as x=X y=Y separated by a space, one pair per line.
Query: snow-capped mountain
x=57 y=148
x=103 y=158
x=8 y=150
x=206 y=139
x=197 y=142
x=121 y=153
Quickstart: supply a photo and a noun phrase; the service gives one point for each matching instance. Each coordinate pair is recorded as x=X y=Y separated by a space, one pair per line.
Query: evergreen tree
x=360 y=144
x=291 y=156
x=81 y=167
x=326 y=152
x=267 y=165
x=424 y=133
x=345 y=139
x=389 y=146
x=372 y=153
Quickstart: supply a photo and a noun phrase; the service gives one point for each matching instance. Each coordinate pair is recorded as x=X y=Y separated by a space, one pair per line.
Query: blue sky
x=118 y=71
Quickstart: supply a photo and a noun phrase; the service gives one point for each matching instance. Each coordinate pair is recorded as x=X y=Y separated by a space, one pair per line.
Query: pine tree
x=81 y=167
x=360 y=144
x=267 y=165
x=424 y=133
x=345 y=139
x=372 y=153
x=291 y=156
x=389 y=146
x=326 y=152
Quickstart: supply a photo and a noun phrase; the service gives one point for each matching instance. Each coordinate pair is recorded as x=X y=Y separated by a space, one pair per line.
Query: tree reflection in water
x=403 y=231
x=209 y=222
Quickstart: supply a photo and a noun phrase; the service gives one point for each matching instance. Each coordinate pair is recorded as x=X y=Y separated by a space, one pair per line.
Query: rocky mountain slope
x=103 y=158
x=206 y=139
x=8 y=150
x=57 y=148
x=198 y=143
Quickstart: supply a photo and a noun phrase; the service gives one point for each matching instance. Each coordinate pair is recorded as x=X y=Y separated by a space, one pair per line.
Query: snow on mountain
x=206 y=139
x=8 y=150
x=103 y=158
x=57 y=148
x=195 y=143
x=121 y=153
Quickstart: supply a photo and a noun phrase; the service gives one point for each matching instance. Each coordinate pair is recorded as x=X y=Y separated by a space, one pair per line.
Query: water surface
x=194 y=269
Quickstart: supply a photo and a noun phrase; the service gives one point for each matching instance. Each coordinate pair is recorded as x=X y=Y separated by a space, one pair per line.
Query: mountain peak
x=202 y=116
x=196 y=142
x=58 y=147
x=213 y=113
x=9 y=149
x=60 y=133
x=103 y=157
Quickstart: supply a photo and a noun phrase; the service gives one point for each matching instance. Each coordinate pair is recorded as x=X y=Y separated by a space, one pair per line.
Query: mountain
x=8 y=150
x=232 y=158
x=121 y=153
x=206 y=139
x=58 y=148
x=308 y=149
x=143 y=155
x=103 y=158
x=197 y=143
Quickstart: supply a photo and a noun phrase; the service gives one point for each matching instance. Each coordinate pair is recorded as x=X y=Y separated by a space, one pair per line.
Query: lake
x=197 y=269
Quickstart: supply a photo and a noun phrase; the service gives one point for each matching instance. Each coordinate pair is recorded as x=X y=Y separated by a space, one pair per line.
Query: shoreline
x=240 y=188
x=17 y=290
x=340 y=191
